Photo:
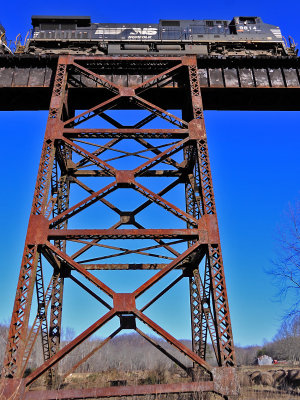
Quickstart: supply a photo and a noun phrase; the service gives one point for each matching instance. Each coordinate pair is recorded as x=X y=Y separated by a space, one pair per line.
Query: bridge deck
x=227 y=83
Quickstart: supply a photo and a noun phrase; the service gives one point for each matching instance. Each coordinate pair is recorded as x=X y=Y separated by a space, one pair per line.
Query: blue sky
x=255 y=167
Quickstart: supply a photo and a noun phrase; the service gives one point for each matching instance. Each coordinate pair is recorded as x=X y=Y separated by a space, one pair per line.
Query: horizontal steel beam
x=227 y=83
x=66 y=234
x=150 y=173
x=125 y=133
x=92 y=267
x=120 y=391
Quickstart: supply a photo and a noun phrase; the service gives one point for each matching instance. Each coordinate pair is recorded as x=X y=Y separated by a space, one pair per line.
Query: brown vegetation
x=269 y=382
x=130 y=360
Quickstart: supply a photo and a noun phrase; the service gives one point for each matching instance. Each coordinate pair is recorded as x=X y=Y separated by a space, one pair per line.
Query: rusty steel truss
x=72 y=153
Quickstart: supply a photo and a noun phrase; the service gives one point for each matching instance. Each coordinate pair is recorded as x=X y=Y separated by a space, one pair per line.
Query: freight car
x=242 y=36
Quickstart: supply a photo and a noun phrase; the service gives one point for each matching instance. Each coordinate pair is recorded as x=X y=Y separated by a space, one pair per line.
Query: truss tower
x=83 y=166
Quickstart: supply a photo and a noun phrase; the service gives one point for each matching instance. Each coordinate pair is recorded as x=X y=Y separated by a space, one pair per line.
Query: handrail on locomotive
x=242 y=36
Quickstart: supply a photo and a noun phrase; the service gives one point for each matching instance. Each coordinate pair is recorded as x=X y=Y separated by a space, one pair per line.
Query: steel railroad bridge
x=235 y=83
x=71 y=151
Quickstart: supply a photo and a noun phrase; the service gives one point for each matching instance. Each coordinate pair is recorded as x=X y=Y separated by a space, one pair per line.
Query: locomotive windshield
x=248 y=20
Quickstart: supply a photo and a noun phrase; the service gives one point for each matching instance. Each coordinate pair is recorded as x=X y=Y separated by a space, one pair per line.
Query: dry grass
x=267 y=393
x=248 y=391
x=105 y=378
x=260 y=392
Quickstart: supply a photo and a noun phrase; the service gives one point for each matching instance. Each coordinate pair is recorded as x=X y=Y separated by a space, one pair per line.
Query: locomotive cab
x=238 y=24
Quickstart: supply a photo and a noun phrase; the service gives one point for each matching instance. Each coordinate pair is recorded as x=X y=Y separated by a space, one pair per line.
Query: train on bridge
x=241 y=36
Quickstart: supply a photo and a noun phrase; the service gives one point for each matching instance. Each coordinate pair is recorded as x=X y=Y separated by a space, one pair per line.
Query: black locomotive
x=244 y=36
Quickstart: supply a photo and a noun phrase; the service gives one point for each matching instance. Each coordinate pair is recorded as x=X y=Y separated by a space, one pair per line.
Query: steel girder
x=179 y=154
x=227 y=83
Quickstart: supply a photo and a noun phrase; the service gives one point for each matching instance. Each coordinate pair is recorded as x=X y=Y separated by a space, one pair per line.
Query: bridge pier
x=72 y=152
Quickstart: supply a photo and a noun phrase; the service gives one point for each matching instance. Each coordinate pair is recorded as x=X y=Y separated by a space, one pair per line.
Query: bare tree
x=286 y=343
x=246 y=355
x=286 y=267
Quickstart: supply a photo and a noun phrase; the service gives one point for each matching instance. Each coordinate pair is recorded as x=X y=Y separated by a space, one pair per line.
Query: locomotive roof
x=85 y=21
x=37 y=19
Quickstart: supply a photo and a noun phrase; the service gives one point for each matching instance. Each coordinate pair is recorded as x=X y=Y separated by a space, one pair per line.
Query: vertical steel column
x=60 y=191
x=19 y=324
x=215 y=318
x=42 y=310
x=40 y=324
x=194 y=206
